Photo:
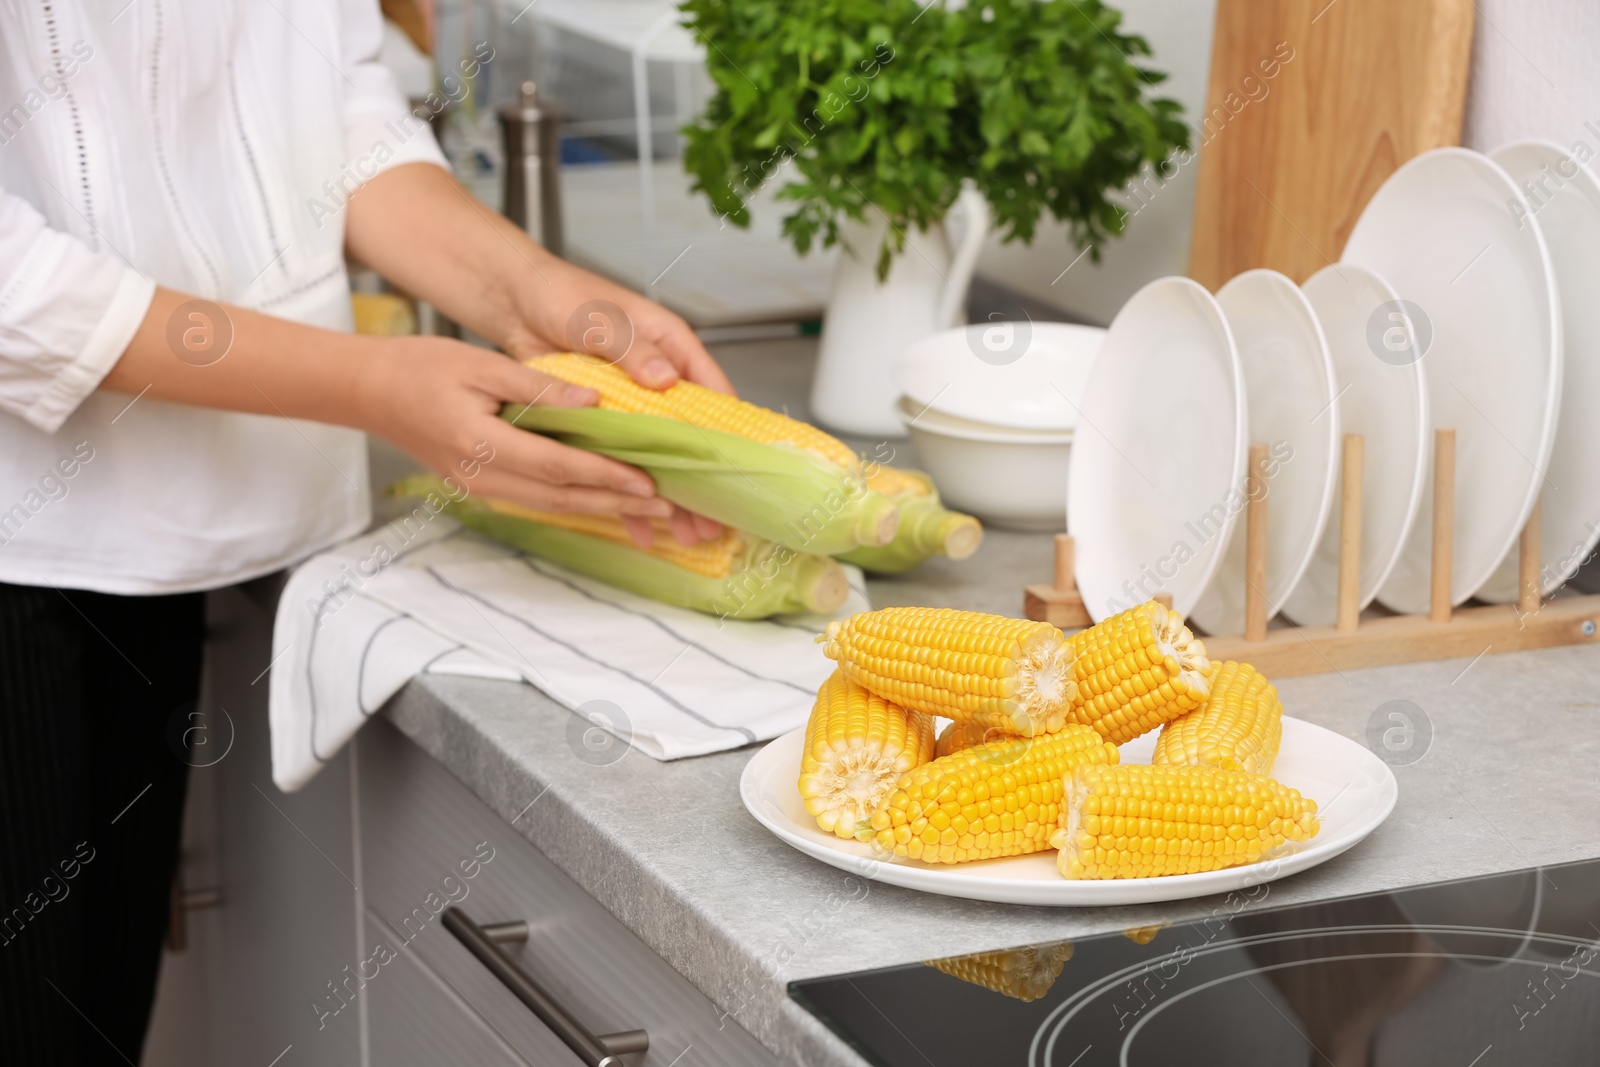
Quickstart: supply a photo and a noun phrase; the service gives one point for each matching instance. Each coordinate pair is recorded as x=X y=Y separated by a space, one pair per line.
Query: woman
x=181 y=408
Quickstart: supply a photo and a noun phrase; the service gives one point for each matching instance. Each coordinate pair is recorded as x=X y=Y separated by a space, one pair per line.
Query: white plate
x=1158 y=460
x=1354 y=790
x=1026 y=375
x=1387 y=404
x=1568 y=213
x=1292 y=407
x=1442 y=230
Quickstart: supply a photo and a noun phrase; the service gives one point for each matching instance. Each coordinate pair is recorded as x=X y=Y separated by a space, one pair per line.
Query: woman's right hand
x=439 y=400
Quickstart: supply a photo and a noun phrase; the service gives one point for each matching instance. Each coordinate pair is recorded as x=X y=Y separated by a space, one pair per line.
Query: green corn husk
x=927 y=529
x=768 y=580
x=784 y=495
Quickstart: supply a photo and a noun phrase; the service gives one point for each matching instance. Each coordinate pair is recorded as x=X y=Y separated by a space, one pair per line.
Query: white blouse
x=208 y=146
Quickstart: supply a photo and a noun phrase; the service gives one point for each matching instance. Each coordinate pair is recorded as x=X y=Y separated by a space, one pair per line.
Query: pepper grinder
x=532 y=153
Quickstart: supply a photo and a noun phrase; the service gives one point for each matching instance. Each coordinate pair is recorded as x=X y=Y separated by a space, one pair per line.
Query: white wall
x=1535 y=73
x=1157 y=239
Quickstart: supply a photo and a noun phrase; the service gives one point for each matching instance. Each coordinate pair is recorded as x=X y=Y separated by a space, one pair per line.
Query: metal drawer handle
x=596 y=1050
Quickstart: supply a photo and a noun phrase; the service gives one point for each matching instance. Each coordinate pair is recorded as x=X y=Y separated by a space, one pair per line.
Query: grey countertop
x=1506 y=781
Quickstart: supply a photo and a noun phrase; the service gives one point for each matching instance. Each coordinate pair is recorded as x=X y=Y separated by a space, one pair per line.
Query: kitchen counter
x=1509 y=749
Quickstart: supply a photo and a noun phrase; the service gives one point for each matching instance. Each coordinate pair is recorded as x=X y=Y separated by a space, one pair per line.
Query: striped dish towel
x=360 y=620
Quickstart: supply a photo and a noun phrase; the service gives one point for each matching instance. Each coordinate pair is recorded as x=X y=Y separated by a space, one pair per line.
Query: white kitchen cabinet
x=417 y=1016
x=426 y=841
x=281 y=967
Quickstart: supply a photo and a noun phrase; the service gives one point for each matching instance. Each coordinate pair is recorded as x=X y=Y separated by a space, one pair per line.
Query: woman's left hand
x=417 y=226
x=564 y=308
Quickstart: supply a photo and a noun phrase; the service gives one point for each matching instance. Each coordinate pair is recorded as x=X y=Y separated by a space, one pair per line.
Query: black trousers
x=91 y=800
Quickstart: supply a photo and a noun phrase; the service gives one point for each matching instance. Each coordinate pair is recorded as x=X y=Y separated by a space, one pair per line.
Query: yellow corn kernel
x=893 y=481
x=716 y=558
x=1143 y=935
x=1010 y=674
x=1137 y=670
x=1238 y=728
x=383 y=314
x=857 y=746
x=959 y=735
x=695 y=404
x=1024 y=974
x=1142 y=821
x=986 y=801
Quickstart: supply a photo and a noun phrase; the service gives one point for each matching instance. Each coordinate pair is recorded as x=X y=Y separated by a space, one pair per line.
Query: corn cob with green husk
x=926 y=527
x=785 y=495
x=733 y=575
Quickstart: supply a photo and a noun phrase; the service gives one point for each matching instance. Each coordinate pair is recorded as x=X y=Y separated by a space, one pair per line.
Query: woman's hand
x=564 y=308
x=418 y=227
x=435 y=398
x=439 y=400
x=422 y=230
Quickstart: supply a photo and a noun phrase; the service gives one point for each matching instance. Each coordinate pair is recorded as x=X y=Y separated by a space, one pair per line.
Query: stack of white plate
x=1446 y=310
x=993 y=410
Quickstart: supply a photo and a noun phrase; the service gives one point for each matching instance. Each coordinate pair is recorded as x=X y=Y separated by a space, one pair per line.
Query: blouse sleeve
x=67 y=312
x=380 y=129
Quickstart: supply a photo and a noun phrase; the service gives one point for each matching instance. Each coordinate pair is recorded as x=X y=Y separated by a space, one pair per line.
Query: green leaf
x=887 y=104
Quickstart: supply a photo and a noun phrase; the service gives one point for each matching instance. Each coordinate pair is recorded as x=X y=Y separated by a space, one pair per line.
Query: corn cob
x=959 y=735
x=1238 y=727
x=927 y=527
x=383 y=314
x=1139 y=821
x=1143 y=935
x=987 y=801
x=1011 y=674
x=707 y=408
x=1137 y=670
x=785 y=495
x=1024 y=974
x=715 y=558
x=695 y=404
x=734 y=576
x=857 y=746
x=899 y=482
x=935 y=530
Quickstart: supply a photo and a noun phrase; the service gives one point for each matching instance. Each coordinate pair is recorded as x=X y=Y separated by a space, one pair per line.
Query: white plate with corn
x=1117 y=765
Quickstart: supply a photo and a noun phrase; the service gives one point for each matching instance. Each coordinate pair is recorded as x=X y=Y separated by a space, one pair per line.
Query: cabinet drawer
x=428 y=842
x=417 y=1018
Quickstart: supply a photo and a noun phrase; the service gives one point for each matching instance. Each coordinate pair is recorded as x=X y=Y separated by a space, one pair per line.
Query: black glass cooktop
x=1485 y=972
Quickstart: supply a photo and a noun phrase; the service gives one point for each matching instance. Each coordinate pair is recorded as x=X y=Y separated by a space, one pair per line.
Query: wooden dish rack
x=1352 y=643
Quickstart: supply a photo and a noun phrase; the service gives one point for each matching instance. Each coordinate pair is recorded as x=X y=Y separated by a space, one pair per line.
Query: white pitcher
x=869 y=322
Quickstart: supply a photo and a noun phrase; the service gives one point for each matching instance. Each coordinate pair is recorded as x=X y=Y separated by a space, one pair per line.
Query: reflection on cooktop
x=1478 y=973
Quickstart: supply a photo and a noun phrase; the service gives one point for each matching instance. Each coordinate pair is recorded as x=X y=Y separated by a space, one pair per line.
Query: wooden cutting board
x=1311 y=105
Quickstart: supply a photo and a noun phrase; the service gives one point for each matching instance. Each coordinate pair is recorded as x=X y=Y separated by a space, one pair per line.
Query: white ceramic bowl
x=1023 y=375
x=1015 y=479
